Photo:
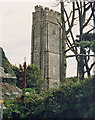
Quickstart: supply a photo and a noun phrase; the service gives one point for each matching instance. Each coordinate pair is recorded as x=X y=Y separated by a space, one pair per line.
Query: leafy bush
x=71 y=100
x=34 y=77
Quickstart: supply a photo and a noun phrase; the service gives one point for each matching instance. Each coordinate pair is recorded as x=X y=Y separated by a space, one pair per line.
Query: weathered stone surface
x=5 y=75
x=46 y=46
x=9 y=90
x=54 y=65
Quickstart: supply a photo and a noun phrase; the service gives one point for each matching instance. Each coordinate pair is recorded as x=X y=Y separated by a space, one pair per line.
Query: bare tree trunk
x=63 y=58
x=94 y=32
x=81 y=58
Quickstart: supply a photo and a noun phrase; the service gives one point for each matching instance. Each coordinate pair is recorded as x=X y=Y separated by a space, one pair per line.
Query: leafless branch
x=92 y=65
x=70 y=48
x=90 y=30
x=79 y=55
x=88 y=18
x=90 y=25
x=73 y=18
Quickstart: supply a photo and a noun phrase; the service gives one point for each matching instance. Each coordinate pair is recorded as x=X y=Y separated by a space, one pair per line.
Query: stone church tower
x=46 y=44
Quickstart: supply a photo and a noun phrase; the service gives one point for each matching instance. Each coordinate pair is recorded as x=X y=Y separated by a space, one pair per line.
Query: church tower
x=46 y=44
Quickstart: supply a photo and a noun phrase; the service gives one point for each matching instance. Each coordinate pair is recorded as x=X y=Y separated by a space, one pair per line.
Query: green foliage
x=89 y=37
x=71 y=100
x=30 y=90
x=85 y=44
x=88 y=44
x=93 y=46
x=34 y=77
x=88 y=41
x=19 y=72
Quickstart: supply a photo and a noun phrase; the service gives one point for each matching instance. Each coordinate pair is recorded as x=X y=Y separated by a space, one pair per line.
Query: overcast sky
x=15 y=31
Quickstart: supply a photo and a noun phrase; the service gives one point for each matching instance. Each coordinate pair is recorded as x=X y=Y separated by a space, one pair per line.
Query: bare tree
x=82 y=55
x=82 y=58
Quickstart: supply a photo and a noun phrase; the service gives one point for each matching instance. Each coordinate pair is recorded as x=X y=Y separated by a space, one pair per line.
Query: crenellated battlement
x=38 y=8
x=57 y=13
x=46 y=9
x=52 y=11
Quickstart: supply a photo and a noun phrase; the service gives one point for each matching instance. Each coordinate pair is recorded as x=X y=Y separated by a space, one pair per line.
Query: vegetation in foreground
x=34 y=78
x=71 y=100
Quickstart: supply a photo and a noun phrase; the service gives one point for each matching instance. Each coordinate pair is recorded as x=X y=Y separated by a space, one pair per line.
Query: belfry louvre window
x=54 y=31
x=54 y=70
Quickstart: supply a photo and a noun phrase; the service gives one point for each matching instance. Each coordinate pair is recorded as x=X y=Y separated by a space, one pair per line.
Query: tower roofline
x=39 y=8
x=46 y=8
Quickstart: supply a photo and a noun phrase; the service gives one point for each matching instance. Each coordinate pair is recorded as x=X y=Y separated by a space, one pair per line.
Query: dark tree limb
x=90 y=30
x=88 y=56
x=71 y=45
x=70 y=48
x=83 y=6
x=89 y=17
x=79 y=55
x=71 y=27
x=92 y=65
x=72 y=21
x=86 y=9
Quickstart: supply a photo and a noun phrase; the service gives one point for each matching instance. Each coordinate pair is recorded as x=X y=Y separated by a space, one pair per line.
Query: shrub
x=72 y=100
x=34 y=77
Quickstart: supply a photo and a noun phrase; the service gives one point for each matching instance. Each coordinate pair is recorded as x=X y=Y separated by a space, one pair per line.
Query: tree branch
x=90 y=30
x=79 y=55
x=86 y=9
x=78 y=8
x=71 y=45
x=92 y=65
x=69 y=49
x=83 y=6
x=70 y=26
x=73 y=18
x=88 y=56
x=88 y=18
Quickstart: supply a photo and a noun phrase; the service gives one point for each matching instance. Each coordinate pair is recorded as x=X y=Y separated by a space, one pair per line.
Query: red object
x=24 y=75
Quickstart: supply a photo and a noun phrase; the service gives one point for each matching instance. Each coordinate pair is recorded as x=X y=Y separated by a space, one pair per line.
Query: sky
x=15 y=30
x=16 y=25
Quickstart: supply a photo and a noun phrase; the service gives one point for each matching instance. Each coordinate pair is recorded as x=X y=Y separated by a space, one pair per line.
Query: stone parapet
x=39 y=8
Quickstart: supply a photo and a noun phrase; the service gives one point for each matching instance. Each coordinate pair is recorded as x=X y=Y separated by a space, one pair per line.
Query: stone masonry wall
x=45 y=50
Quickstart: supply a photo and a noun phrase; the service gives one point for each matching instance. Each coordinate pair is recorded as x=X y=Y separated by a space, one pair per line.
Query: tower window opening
x=54 y=70
x=54 y=32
